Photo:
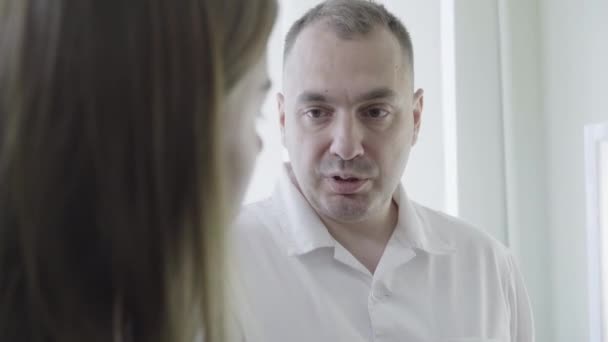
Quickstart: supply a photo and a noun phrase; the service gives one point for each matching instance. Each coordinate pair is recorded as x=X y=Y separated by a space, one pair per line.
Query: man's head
x=348 y=112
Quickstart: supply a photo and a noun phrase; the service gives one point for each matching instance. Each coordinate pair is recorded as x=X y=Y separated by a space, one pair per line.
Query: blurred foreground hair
x=111 y=200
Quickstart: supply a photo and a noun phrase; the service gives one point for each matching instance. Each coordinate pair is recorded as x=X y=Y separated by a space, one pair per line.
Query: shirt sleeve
x=522 y=322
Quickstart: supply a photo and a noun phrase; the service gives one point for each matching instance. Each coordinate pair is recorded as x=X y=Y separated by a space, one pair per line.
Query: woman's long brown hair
x=111 y=211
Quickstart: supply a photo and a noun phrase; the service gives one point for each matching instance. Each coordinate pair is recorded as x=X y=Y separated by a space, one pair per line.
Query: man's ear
x=281 y=107
x=417 y=107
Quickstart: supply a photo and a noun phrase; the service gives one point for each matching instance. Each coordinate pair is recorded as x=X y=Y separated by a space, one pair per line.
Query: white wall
x=554 y=79
x=479 y=116
x=575 y=81
x=525 y=154
x=425 y=174
x=501 y=137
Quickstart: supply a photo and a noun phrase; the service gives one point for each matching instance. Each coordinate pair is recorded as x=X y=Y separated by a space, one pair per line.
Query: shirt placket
x=381 y=297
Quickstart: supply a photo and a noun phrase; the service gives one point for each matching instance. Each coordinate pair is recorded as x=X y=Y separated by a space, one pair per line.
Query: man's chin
x=346 y=208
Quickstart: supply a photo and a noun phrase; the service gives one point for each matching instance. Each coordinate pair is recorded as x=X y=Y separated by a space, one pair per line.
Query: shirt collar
x=413 y=228
x=306 y=232
x=300 y=223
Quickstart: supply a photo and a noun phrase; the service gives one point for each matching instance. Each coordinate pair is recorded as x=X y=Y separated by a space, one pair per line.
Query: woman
x=127 y=136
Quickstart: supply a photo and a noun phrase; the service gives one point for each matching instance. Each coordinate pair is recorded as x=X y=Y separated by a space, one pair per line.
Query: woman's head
x=118 y=159
x=240 y=137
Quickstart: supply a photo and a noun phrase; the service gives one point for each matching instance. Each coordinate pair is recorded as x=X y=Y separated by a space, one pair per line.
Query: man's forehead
x=323 y=34
x=320 y=36
x=368 y=94
x=321 y=58
x=356 y=87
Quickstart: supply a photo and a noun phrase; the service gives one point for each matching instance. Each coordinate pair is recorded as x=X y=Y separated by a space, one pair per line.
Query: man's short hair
x=348 y=18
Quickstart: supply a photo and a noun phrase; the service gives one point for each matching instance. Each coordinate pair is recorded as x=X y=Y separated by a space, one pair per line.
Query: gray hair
x=349 y=18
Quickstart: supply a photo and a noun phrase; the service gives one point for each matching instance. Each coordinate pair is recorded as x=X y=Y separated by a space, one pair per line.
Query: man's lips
x=346 y=184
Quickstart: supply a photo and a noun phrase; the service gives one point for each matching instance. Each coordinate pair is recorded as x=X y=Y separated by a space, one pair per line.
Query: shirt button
x=381 y=293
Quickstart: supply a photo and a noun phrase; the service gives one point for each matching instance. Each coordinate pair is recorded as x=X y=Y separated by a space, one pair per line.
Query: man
x=339 y=253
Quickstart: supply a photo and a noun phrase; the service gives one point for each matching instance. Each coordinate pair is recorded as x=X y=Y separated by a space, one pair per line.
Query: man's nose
x=347 y=137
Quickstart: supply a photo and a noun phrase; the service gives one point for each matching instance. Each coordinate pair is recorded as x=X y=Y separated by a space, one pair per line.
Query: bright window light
x=603 y=214
x=449 y=107
x=596 y=159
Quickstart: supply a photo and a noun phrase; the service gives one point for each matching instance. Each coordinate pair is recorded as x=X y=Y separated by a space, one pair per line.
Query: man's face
x=349 y=118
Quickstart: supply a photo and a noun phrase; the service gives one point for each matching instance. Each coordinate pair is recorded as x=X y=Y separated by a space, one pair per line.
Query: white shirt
x=439 y=279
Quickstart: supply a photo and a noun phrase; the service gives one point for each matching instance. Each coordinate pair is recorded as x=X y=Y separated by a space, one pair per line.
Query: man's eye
x=316 y=113
x=376 y=113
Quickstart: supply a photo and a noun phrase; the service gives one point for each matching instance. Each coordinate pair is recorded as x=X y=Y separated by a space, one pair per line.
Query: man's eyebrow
x=311 y=96
x=376 y=94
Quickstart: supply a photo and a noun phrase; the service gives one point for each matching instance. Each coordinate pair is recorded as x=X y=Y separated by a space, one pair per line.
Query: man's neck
x=366 y=240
